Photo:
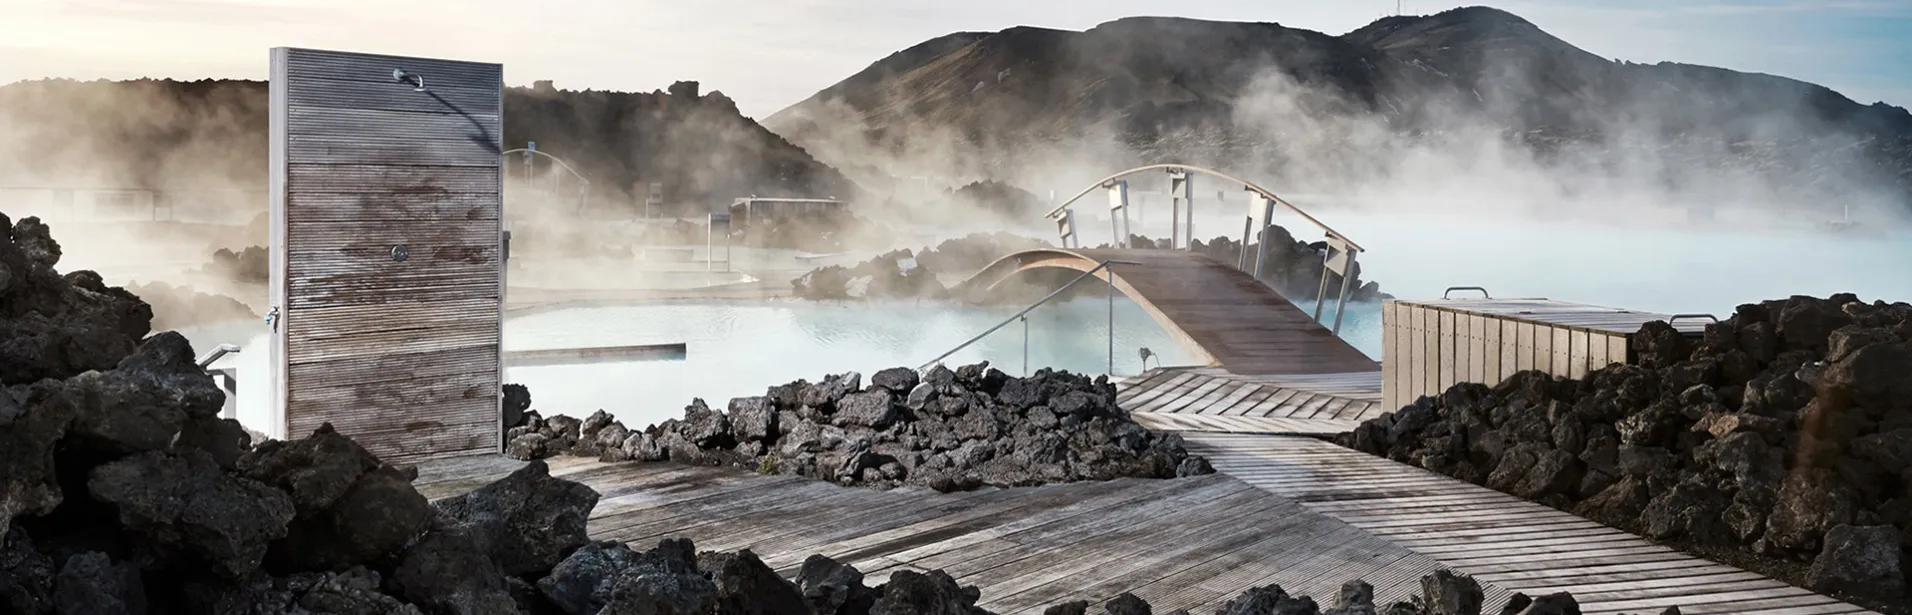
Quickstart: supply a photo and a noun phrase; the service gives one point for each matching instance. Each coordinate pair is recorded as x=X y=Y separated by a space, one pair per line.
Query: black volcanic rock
x=1799 y=454
x=950 y=430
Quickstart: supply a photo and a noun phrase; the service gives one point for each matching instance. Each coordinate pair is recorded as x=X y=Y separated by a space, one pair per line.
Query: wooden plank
x=1523 y=345
x=1477 y=364
x=1509 y=542
x=1156 y=389
x=1491 y=351
x=1596 y=351
x=1562 y=349
x=1579 y=354
x=1430 y=368
x=1444 y=336
x=1462 y=337
x=1390 y=354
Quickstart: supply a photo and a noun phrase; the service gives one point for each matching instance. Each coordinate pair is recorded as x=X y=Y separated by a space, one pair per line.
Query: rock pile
x=895 y=274
x=610 y=578
x=1783 y=435
x=251 y=265
x=903 y=274
x=947 y=430
x=181 y=306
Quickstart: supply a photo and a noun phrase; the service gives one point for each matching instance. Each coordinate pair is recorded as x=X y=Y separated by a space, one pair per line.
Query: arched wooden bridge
x=1218 y=313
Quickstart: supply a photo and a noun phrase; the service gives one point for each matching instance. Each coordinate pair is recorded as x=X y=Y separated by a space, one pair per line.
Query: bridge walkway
x=1219 y=313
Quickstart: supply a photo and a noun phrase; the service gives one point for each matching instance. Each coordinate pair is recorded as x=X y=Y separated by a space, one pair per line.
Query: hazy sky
x=768 y=54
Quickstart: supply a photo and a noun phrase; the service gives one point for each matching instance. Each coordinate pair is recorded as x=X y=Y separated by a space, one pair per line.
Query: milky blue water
x=740 y=349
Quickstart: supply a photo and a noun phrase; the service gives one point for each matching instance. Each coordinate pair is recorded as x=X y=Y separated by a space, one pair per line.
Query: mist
x=1533 y=128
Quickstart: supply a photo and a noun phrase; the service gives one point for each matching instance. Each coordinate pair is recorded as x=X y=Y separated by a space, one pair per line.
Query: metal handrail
x=1052 y=295
x=1059 y=208
x=212 y=357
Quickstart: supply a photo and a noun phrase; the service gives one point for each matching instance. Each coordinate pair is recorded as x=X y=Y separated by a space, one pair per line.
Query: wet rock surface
x=1780 y=440
x=945 y=429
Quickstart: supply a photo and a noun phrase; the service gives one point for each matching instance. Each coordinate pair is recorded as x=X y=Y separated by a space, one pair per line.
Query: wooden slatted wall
x=401 y=354
x=1429 y=346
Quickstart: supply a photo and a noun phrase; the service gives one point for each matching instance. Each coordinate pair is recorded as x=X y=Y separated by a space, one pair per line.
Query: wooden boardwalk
x=1210 y=399
x=1499 y=538
x=1184 y=543
x=1220 y=314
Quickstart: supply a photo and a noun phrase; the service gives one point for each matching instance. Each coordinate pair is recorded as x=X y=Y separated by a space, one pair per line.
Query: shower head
x=416 y=80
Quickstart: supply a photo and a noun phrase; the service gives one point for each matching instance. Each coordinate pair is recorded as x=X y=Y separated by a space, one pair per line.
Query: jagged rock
x=1778 y=424
x=932 y=593
x=1127 y=604
x=581 y=584
x=1451 y=594
x=517 y=401
x=1268 y=600
x=93 y=583
x=947 y=430
x=832 y=588
x=450 y=570
x=1861 y=561
x=528 y=521
x=1560 y=603
x=184 y=502
x=26 y=576
x=745 y=586
x=665 y=582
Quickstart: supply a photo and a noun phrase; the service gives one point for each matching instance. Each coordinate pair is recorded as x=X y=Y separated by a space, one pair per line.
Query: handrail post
x=1025 y=345
x=1347 y=282
x=1111 y=322
x=1052 y=295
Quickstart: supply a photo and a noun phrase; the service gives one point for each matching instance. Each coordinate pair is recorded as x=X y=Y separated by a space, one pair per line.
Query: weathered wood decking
x=1212 y=399
x=1499 y=538
x=1218 y=313
x=1184 y=543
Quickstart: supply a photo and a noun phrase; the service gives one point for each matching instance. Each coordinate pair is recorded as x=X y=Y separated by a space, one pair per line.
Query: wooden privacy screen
x=1429 y=346
x=387 y=264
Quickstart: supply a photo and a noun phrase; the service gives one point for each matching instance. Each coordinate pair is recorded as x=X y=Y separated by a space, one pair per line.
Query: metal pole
x=1025 y=346
x=1347 y=280
x=1321 y=295
x=1247 y=226
x=1188 y=195
x=1267 y=222
x=1111 y=273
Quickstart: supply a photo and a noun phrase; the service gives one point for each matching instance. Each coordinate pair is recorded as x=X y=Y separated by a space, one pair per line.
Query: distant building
x=746 y=211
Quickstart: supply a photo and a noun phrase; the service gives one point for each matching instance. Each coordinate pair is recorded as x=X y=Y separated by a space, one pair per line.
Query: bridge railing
x=1339 y=258
x=227 y=377
x=1023 y=315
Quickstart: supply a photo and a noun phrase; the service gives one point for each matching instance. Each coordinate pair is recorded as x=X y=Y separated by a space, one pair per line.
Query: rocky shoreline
x=1780 y=441
x=948 y=430
x=125 y=494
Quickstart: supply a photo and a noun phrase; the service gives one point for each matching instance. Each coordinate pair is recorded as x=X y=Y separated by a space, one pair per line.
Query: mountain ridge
x=1308 y=106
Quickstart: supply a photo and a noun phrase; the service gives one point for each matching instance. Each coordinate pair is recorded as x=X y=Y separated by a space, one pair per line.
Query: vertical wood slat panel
x=341 y=160
x=1509 y=348
x=1578 y=356
x=1390 y=355
x=1524 y=346
x=1562 y=345
x=1491 y=349
x=1445 y=325
x=1429 y=350
x=1597 y=351
x=1423 y=373
x=1463 y=338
